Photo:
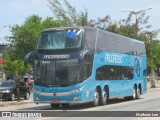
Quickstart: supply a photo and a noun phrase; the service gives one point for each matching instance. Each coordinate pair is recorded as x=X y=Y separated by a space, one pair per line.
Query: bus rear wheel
x=96 y=101
x=104 y=97
x=138 y=93
x=134 y=96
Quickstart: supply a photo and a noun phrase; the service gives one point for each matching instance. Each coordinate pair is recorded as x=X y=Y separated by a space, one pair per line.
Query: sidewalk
x=6 y=103
x=157 y=83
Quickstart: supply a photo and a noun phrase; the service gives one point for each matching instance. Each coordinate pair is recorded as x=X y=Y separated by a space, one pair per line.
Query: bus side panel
x=107 y=65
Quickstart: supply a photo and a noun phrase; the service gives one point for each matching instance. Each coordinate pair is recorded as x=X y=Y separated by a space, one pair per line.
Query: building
x=2 y=62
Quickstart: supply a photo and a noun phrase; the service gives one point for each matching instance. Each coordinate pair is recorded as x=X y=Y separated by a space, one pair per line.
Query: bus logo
x=137 y=67
x=64 y=56
x=113 y=58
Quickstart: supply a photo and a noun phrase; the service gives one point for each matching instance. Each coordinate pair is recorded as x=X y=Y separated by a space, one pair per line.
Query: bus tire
x=138 y=93
x=96 y=100
x=134 y=95
x=104 y=97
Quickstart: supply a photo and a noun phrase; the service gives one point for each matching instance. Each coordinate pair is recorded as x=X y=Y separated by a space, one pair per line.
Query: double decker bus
x=86 y=64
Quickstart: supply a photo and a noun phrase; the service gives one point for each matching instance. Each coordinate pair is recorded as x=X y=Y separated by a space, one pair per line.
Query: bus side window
x=111 y=72
x=130 y=73
x=87 y=67
x=100 y=76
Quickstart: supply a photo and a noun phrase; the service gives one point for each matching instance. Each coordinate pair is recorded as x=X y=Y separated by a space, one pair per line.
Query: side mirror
x=27 y=57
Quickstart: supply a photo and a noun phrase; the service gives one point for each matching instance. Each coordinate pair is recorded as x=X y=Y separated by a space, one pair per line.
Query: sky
x=14 y=12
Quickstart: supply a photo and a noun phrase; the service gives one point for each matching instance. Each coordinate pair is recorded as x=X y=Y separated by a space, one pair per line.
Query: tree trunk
x=18 y=89
x=153 y=78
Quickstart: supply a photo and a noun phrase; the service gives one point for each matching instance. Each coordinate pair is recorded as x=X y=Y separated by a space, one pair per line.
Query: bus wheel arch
x=105 y=95
x=97 y=96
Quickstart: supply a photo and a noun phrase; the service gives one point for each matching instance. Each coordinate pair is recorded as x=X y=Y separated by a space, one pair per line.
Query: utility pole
x=136 y=14
x=150 y=34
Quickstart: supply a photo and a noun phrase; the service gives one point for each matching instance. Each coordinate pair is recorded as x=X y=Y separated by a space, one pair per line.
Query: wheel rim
x=134 y=94
x=138 y=93
x=104 y=99
x=27 y=95
x=13 y=97
x=96 y=98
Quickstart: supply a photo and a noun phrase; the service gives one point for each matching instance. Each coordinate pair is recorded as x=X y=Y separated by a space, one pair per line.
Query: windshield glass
x=7 y=84
x=57 y=73
x=61 y=39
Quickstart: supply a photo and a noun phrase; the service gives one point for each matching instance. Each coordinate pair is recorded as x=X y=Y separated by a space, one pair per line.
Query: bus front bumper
x=69 y=97
x=63 y=102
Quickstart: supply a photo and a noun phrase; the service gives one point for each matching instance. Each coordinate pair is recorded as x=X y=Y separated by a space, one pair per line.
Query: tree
x=68 y=14
x=138 y=30
x=24 y=37
x=22 y=41
x=153 y=48
x=16 y=69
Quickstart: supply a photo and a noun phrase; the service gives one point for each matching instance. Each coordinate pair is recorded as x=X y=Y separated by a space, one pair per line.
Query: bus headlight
x=77 y=90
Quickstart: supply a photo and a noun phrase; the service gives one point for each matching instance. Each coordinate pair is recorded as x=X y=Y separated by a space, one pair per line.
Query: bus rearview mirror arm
x=27 y=57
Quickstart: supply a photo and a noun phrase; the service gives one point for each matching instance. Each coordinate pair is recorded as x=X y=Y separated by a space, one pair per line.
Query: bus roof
x=93 y=28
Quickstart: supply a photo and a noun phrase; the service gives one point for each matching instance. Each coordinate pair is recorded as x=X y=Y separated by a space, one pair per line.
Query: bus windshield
x=61 y=39
x=57 y=73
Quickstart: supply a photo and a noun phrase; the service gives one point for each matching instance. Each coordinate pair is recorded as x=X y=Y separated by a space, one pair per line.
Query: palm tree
x=17 y=69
